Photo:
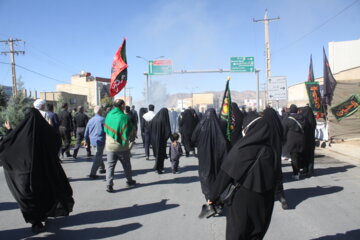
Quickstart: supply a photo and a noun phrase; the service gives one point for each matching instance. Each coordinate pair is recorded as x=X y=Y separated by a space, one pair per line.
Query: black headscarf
x=293 y=108
x=276 y=134
x=237 y=121
x=309 y=117
x=309 y=132
x=33 y=171
x=187 y=125
x=244 y=163
x=212 y=148
x=160 y=133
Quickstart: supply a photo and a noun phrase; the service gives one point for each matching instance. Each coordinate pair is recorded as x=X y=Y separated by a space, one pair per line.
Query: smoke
x=157 y=95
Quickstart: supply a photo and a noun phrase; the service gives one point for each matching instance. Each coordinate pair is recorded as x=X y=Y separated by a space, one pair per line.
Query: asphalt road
x=162 y=207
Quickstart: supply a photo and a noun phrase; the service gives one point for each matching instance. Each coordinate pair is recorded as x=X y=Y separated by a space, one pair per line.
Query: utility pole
x=266 y=21
x=129 y=95
x=11 y=41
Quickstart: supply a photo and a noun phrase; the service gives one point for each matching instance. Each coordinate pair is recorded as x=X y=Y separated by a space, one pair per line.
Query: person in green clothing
x=118 y=128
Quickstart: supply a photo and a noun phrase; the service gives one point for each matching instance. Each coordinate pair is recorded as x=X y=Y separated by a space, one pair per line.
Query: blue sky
x=65 y=37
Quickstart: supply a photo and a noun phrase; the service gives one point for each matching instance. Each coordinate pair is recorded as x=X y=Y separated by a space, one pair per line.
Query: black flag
x=329 y=82
x=311 y=77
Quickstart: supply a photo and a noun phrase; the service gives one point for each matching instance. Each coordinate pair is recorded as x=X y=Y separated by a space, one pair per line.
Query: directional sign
x=160 y=67
x=277 y=88
x=242 y=64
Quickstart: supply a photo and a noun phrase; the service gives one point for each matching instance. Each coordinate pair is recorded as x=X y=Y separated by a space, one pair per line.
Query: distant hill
x=236 y=96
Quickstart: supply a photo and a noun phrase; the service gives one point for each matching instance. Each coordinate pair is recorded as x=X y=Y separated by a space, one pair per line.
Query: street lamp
x=147 y=76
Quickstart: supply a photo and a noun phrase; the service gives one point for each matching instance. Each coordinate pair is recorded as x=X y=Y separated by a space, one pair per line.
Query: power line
x=318 y=27
x=55 y=60
x=40 y=74
x=46 y=76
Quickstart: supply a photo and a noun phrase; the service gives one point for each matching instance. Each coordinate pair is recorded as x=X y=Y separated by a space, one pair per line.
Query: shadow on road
x=287 y=176
x=349 y=235
x=56 y=225
x=8 y=206
x=297 y=195
x=180 y=180
x=332 y=170
x=86 y=233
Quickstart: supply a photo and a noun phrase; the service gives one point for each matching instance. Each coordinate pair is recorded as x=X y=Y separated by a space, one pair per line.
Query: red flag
x=119 y=70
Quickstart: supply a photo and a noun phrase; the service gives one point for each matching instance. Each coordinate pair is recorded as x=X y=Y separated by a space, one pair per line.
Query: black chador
x=187 y=123
x=309 y=144
x=33 y=171
x=160 y=133
x=294 y=139
x=276 y=135
x=251 y=162
x=212 y=146
x=142 y=111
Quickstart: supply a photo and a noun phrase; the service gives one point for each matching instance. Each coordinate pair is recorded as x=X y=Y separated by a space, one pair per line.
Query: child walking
x=175 y=152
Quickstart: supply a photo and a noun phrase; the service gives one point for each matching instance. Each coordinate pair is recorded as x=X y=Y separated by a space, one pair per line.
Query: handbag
x=227 y=195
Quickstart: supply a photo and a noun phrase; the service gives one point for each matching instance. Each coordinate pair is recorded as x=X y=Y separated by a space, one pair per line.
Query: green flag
x=346 y=108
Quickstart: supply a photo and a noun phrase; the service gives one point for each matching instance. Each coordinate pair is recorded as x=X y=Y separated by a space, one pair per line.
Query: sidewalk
x=347 y=151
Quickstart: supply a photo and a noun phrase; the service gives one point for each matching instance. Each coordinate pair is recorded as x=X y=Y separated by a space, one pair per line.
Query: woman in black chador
x=187 y=123
x=294 y=139
x=251 y=162
x=142 y=111
x=160 y=133
x=276 y=135
x=309 y=144
x=211 y=145
x=33 y=171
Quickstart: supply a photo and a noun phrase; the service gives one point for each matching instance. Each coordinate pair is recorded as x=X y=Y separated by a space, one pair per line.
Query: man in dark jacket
x=294 y=139
x=66 y=126
x=80 y=121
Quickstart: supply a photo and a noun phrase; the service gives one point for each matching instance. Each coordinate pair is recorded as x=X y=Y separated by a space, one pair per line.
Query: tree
x=106 y=102
x=15 y=110
x=59 y=103
x=3 y=98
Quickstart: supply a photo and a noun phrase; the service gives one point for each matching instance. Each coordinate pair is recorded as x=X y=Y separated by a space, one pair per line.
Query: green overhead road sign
x=160 y=67
x=242 y=64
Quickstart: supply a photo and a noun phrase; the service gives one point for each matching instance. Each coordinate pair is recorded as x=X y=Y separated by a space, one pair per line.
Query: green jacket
x=118 y=127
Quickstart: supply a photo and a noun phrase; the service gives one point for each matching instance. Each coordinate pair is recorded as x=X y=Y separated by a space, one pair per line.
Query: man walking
x=80 y=121
x=147 y=130
x=135 y=116
x=66 y=126
x=95 y=135
x=118 y=128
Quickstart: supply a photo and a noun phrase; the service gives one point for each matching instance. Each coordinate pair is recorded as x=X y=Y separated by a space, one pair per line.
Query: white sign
x=277 y=88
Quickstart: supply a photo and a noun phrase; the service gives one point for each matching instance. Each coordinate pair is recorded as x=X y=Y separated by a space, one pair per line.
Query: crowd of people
x=250 y=157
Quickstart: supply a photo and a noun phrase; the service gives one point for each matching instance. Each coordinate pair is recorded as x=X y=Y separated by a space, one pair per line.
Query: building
x=203 y=101
x=94 y=88
x=344 y=55
x=251 y=103
x=73 y=100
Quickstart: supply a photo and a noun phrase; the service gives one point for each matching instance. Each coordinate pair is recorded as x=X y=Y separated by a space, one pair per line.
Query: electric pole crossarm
x=11 y=41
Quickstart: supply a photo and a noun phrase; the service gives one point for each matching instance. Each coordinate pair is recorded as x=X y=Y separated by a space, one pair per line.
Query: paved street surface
x=163 y=207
